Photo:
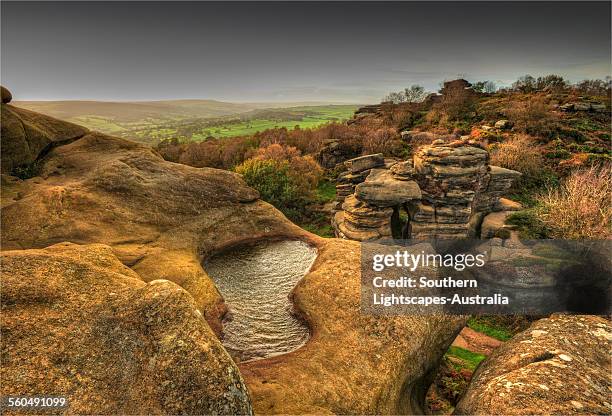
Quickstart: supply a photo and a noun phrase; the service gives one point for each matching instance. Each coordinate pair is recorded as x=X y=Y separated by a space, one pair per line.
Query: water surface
x=255 y=281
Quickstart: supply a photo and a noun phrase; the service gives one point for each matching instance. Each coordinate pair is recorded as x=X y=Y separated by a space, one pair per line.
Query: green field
x=188 y=120
x=239 y=125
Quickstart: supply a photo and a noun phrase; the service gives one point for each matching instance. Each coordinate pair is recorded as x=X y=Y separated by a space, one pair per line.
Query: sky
x=290 y=51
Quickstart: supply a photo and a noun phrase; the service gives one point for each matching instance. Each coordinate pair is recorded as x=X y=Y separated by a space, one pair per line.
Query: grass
x=490 y=328
x=529 y=225
x=471 y=359
x=199 y=129
x=326 y=191
x=303 y=117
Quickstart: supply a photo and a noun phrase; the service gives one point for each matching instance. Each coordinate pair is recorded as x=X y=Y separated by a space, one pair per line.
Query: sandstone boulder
x=558 y=366
x=26 y=136
x=503 y=124
x=362 y=163
x=6 y=95
x=78 y=323
x=505 y=204
x=354 y=363
x=162 y=220
x=494 y=225
x=381 y=189
x=157 y=216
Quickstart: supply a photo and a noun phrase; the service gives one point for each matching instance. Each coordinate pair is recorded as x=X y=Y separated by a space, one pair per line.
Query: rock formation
x=78 y=323
x=162 y=220
x=444 y=192
x=560 y=365
x=27 y=136
x=6 y=95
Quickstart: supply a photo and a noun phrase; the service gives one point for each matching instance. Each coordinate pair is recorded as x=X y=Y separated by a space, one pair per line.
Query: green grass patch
x=490 y=328
x=471 y=359
x=326 y=191
x=322 y=230
x=528 y=224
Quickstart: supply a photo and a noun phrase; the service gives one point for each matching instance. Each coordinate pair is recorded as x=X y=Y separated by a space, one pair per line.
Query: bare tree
x=488 y=87
x=414 y=94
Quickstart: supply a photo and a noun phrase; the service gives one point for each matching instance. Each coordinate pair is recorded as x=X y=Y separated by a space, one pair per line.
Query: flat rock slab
x=559 y=366
x=365 y=162
x=382 y=189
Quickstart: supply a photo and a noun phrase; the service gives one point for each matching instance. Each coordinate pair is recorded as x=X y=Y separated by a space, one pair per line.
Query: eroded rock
x=78 y=323
x=27 y=136
x=362 y=163
x=560 y=366
x=6 y=95
x=162 y=220
x=381 y=189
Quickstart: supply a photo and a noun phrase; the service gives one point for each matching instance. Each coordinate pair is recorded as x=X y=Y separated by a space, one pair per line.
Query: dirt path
x=476 y=341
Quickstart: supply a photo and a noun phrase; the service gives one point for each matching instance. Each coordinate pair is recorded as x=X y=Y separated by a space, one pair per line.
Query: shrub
x=581 y=207
x=532 y=116
x=456 y=104
x=529 y=224
x=271 y=178
x=383 y=140
x=520 y=154
x=283 y=177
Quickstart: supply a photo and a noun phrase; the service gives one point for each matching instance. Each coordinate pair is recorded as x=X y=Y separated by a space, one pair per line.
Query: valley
x=189 y=120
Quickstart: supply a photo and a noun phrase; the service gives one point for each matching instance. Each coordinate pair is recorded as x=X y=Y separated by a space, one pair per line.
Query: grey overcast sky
x=290 y=51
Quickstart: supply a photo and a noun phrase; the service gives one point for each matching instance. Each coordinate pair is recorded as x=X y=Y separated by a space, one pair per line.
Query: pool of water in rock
x=255 y=281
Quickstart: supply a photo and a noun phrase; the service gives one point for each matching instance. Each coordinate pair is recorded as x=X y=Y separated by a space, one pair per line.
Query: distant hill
x=151 y=121
x=128 y=112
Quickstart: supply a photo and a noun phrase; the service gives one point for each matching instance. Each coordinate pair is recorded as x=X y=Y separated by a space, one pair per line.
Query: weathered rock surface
x=559 y=366
x=362 y=163
x=6 y=95
x=494 y=225
x=505 y=204
x=382 y=189
x=27 y=135
x=162 y=220
x=445 y=190
x=354 y=363
x=361 y=221
x=583 y=106
x=78 y=323
x=503 y=124
x=335 y=152
x=501 y=180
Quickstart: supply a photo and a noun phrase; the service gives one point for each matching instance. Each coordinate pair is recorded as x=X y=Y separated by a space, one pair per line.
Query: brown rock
x=494 y=225
x=163 y=219
x=559 y=366
x=505 y=204
x=385 y=362
x=6 y=95
x=382 y=189
x=362 y=163
x=26 y=136
x=78 y=323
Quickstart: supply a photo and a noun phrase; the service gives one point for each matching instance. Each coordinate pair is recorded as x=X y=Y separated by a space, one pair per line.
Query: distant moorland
x=189 y=120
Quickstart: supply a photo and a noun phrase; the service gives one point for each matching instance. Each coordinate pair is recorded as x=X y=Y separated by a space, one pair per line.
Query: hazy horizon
x=290 y=52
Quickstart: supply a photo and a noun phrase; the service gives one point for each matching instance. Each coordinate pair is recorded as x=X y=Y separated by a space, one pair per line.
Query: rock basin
x=256 y=281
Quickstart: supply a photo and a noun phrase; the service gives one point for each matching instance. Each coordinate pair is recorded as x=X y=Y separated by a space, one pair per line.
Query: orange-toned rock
x=78 y=323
